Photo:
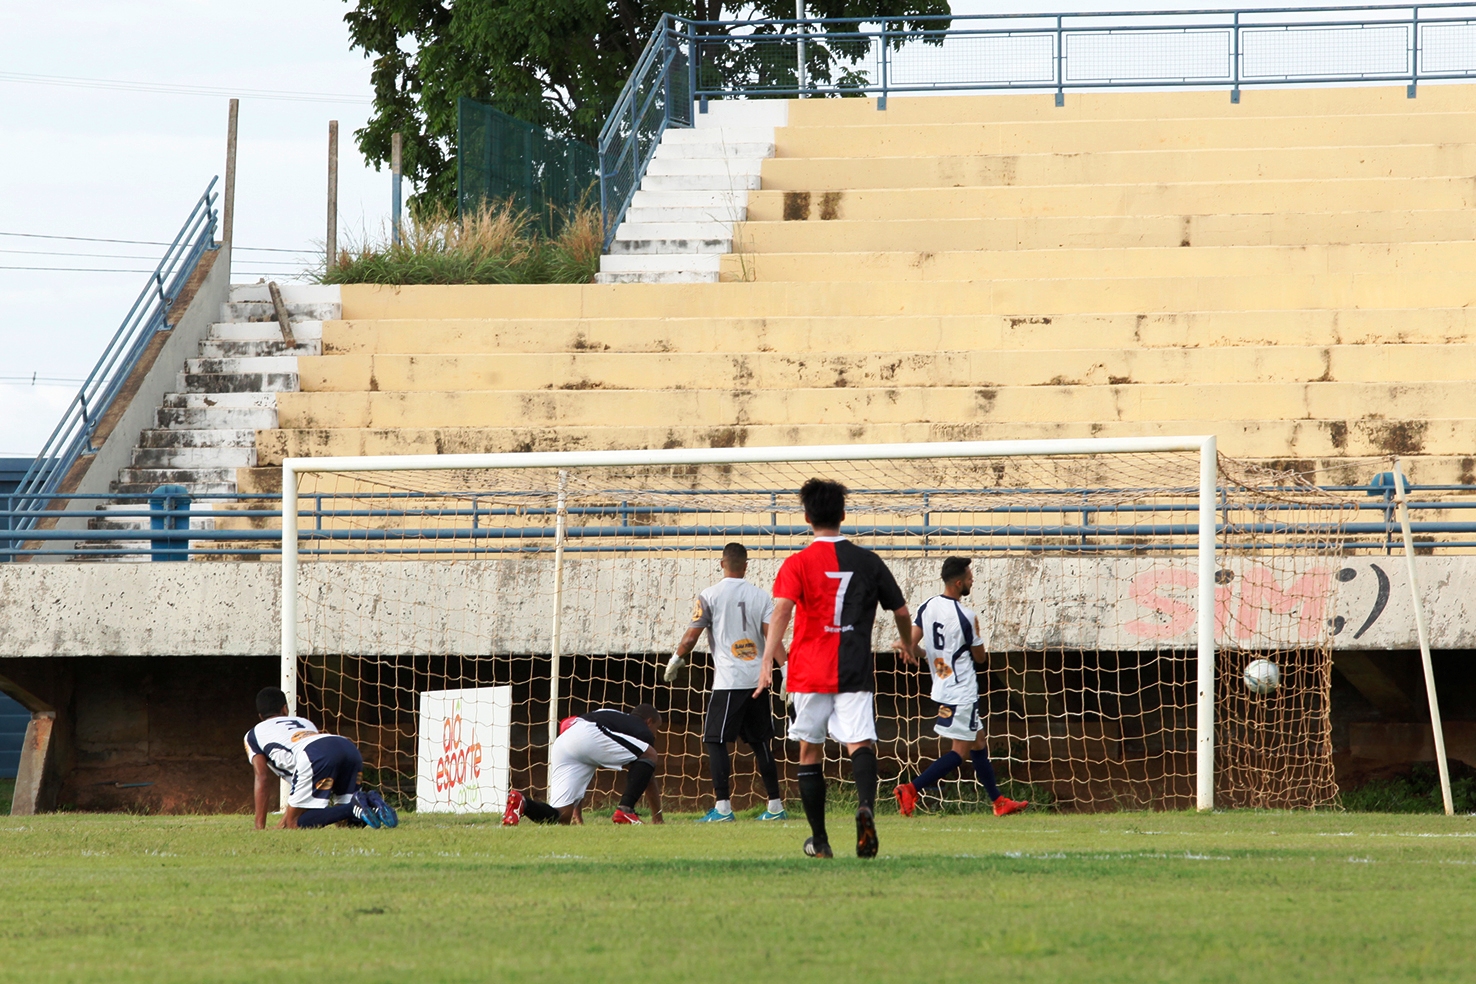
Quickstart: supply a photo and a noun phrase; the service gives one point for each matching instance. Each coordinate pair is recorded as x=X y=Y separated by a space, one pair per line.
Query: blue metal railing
x=657 y=95
x=72 y=437
x=689 y=61
x=371 y=525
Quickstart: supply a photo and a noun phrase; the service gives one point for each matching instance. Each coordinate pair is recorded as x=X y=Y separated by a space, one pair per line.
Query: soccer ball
x=1261 y=676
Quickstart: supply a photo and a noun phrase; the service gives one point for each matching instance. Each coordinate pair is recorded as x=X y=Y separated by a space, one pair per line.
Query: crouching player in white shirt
x=949 y=635
x=324 y=771
x=603 y=739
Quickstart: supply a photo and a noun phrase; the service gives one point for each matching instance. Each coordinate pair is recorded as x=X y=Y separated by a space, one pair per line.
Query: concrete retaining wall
x=639 y=605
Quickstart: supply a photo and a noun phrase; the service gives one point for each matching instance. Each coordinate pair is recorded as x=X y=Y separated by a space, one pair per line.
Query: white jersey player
x=323 y=771
x=735 y=615
x=948 y=633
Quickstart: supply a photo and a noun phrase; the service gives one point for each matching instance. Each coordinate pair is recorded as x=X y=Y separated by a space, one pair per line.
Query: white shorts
x=575 y=756
x=847 y=717
x=959 y=721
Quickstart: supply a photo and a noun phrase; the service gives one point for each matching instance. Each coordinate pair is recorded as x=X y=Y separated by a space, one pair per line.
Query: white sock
x=776 y=806
x=725 y=806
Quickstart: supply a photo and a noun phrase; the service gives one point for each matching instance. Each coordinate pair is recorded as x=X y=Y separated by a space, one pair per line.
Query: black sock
x=812 y=795
x=325 y=816
x=768 y=769
x=539 y=812
x=984 y=772
x=863 y=771
x=637 y=777
x=722 y=768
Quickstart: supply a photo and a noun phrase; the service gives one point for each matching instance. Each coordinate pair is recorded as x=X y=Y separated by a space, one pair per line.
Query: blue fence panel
x=13 y=721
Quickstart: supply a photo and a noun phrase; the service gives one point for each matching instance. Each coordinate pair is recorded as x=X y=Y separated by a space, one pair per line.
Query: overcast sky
x=99 y=161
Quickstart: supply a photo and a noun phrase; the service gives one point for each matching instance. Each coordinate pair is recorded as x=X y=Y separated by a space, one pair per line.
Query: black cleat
x=866 y=842
x=813 y=850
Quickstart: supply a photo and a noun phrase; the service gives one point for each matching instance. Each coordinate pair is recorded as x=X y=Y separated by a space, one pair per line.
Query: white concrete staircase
x=207 y=429
x=696 y=187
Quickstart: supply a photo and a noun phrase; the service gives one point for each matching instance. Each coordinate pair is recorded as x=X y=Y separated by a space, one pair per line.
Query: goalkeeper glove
x=674 y=666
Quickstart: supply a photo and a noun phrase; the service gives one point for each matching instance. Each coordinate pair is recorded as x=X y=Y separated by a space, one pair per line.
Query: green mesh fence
x=499 y=157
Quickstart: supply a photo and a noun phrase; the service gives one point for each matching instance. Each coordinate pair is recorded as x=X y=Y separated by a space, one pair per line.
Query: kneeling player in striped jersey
x=735 y=614
x=324 y=771
x=603 y=739
x=949 y=634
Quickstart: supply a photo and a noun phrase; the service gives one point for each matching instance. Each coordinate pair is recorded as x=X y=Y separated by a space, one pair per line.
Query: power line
x=126 y=85
x=107 y=256
x=140 y=242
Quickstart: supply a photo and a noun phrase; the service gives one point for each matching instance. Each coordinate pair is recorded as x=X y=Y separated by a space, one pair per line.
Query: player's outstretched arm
x=653 y=794
x=683 y=650
x=263 y=789
x=774 y=643
x=906 y=639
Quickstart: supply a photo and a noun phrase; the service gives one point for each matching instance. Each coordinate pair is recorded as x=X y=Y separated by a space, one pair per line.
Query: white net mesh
x=415 y=581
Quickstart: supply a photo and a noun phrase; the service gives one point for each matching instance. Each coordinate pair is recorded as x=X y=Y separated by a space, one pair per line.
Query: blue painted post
x=165 y=505
x=1235 y=57
x=882 y=102
x=692 y=70
x=1060 y=66
x=1414 y=52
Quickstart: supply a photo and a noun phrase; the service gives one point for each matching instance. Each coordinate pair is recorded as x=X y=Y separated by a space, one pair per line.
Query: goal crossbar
x=1203 y=445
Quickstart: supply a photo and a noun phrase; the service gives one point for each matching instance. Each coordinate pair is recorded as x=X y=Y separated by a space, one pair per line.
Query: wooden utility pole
x=332 y=238
x=228 y=207
x=396 y=145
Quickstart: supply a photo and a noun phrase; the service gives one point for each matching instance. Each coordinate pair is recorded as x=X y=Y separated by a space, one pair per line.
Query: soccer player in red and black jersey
x=831 y=589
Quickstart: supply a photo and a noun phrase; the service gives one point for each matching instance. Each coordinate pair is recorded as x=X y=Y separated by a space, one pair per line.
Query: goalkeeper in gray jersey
x=735 y=615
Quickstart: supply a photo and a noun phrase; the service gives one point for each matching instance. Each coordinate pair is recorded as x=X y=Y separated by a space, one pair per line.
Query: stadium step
x=1066 y=403
x=1129 y=199
x=800 y=334
x=1125 y=167
x=1383 y=259
x=921 y=368
x=1105 y=232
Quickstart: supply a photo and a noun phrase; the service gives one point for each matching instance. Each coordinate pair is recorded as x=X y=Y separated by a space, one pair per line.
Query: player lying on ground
x=949 y=634
x=324 y=771
x=735 y=614
x=603 y=739
x=832 y=588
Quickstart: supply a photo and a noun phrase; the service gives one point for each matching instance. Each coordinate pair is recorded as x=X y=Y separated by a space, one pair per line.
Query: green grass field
x=1118 y=897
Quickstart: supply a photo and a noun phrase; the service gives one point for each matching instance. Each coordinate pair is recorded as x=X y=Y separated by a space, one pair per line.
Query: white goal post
x=1203 y=544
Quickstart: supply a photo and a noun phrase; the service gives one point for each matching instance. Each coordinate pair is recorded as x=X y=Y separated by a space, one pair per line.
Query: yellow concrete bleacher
x=1292 y=273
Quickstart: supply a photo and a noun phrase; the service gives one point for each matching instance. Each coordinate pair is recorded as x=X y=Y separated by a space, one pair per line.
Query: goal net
x=543 y=585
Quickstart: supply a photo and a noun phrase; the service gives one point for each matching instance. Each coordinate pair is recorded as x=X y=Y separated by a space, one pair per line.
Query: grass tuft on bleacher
x=1135 y=897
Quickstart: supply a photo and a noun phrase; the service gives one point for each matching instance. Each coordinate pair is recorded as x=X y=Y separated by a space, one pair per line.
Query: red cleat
x=906 y=795
x=1004 y=806
x=513 y=811
x=625 y=816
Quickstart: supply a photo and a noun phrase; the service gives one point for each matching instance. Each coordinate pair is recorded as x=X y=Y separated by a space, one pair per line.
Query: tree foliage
x=557 y=63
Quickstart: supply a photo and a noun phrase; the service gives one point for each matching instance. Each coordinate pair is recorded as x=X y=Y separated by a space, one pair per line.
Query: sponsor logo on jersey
x=697 y=610
x=324 y=784
x=945 y=712
x=745 y=649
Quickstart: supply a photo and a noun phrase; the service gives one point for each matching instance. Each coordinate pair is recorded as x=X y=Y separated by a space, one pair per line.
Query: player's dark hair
x=824 y=502
x=647 y=713
x=735 y=554
x=954 y=568
x=270 y=701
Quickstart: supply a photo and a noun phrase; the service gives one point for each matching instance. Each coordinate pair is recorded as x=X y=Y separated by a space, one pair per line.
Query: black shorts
x=737 y=714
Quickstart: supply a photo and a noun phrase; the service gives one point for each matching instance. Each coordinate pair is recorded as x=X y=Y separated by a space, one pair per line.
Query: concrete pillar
x=33 y=794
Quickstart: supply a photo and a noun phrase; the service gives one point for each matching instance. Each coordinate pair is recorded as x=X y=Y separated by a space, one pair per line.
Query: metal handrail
x=987 y=525
x=1042 y=42
x=73 y=435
